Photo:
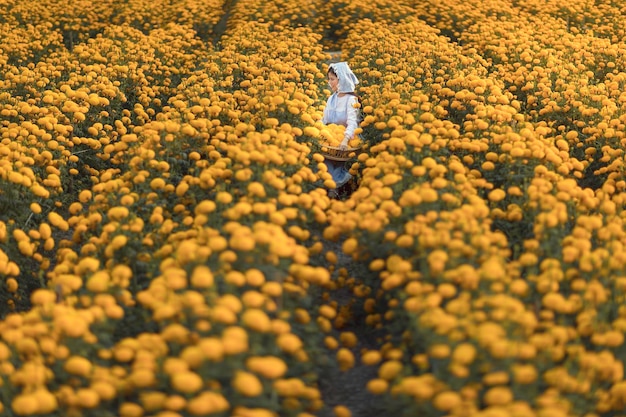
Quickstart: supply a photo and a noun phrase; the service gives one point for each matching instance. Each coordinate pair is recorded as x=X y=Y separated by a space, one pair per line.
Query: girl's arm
x=353 y=120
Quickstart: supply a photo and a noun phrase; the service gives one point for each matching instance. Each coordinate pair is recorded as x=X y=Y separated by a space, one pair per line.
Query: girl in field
x=341 y=108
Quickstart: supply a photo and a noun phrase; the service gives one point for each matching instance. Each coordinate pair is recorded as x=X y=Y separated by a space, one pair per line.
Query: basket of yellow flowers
x=330 y=137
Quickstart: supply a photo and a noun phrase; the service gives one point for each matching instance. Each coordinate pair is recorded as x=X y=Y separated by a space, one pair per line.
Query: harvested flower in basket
x=332 y=135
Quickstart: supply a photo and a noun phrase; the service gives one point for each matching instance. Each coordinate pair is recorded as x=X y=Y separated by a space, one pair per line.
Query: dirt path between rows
x=220 y=27
x=348 y=388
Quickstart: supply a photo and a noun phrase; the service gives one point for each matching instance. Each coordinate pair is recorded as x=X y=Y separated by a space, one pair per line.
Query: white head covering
x=347 y=79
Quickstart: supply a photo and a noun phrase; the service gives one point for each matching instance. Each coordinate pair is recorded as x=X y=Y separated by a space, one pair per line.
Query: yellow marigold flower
x=234 y=340
x=464 y=354
x=345 y=358
x=396 y=144
x=271 y=122
x=131 y=410
x=77 y=365
x=405 y=241
x=420 y=387
x=35 y=208
x=157 y=184
x=236 y=278
x=152 y=400
x=268 y=366
x=207 y=403
x=348 y=339
x=528 y=259
x=447 y=400
x=273 y=289
x=342 y=411
x=330 y=184
x=371 y=357
x=186 y=382
x=57 y=221
x=202 y=277
x=224 y=315
x=105 y=389
x=87 y=264
x=497 y=195
x=389 y=370
x=496 y=378
x=242 y=242
x=173 y=365
x=175 y=333
x=26 y=248
x=327 y=311
x=350 y=246
x=119 y=241
x=524 y=373
x=164 y=312
x=256 y=189
x=121 y=273
x=45 y=231
x=254 y=277
x=331 y=257
x=87 y=398
x=439 y=351
x=247 y=384
x=498 y=396
x=437 y=261
x=447 y=290
x=289 y=342
x=291 y=387
x=25 y=404
x=302 y=316
x=98 y=282
x=212 y=348
x=48 y=244
x=331 y=343
x=142 y=377
x=224 y=197
x=174 y=403
x=377 y=264
x=311 y=131
x=519 y=287
x=12 y=285
x=182 y=188
x=205 y=207
x=377 y=386
x=193 y=355
x=429 y=195
x=256 y=320
x=117 y=213
x=280 y=327
x=613 y=338
x=493 y=269
x=123 y=353
x=84 y=196
x=43 y=296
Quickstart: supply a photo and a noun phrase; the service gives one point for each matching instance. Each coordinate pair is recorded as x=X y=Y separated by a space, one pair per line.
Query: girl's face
x=333 y=82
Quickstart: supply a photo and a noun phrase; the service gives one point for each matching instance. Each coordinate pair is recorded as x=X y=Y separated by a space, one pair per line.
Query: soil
x=348 y=388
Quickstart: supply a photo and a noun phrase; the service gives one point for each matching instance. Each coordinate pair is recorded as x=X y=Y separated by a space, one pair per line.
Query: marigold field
x=167 y=246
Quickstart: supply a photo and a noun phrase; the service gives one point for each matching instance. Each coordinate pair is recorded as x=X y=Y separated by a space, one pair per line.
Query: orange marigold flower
x=247 y=384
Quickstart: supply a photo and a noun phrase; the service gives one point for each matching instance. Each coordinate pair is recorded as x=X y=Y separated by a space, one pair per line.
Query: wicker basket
x=336 y=154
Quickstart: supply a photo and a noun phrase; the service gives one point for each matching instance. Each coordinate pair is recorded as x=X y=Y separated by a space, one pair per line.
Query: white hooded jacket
x=341 y=109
